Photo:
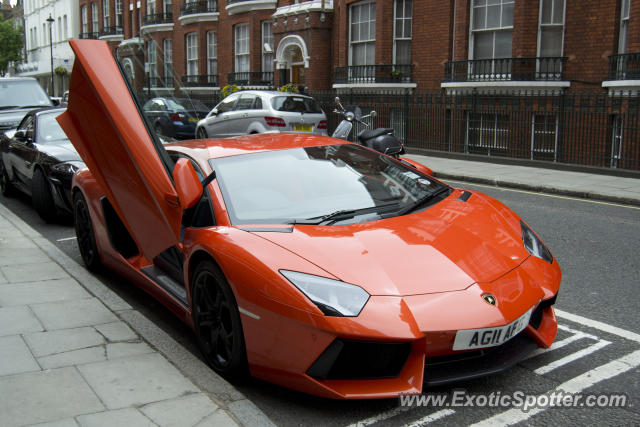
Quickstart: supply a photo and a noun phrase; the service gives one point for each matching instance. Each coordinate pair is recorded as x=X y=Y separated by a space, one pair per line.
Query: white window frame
x=402 y=20
x=488 y=123
x=369 y=41
x=617 y=139
x=167 y=6
x=623 y=36
x=553 y=131
x=94 y=17
x=545 y=25
x=64 y=32
x=151 y=7
x=240 y=37
x=152 y=58
x=482 y=74
x=167 y=60
x=84 y=20
x=191 y=53
x=267 y=38
x=105 y=13
x=59 y=28
x=119 y=21
x=212 y=53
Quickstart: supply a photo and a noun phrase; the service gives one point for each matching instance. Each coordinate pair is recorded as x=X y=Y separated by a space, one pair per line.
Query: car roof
x=14 y=79
x=205 y=149
x=270 y=93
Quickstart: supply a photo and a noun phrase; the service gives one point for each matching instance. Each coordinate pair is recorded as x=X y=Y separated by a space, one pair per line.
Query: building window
x=267 y=46
x=617 y=135
x=118 y=13
x=167 y=6
x=64 y=21
x=362 y=34
x=151 y=7
x=402 y=32
x=59 y=28
x=491 y=36
x=105 y=13
x=487 y=132
x=624 y=26
x=168 y=60
x=544 y=137
x=94 y=17
x=151 y=61
x=44 y=35
x=192 y=54
x=212 y=54
x=84 y=23
x=241 y=35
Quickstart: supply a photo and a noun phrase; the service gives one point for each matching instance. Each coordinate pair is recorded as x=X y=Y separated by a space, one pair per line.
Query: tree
x=11 y=43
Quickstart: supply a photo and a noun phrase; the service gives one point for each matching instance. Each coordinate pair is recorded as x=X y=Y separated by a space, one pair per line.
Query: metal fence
x=584 y=128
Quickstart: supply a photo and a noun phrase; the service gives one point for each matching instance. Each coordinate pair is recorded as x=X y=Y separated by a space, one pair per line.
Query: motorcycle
x=380 y=139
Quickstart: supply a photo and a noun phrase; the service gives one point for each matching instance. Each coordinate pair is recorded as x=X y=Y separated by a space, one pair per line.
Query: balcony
x=89 y=35
x=257 y=78
x=624 y=74
x=198 y=11
x=241 y=6
x=506 y=73
x=374 y=77
x=200 y=80
x=157 y=22
x=114 y=33
x=158 y=82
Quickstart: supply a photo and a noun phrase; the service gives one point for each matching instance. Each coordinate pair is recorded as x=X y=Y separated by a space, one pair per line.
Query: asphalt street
x=598 y=345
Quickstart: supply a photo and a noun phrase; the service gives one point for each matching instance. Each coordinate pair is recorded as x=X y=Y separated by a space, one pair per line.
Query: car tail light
x=275 y=122
x=177 y=117
x=322 y=124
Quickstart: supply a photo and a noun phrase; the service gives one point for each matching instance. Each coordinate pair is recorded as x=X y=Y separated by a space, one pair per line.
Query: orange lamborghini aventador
x=304 y=260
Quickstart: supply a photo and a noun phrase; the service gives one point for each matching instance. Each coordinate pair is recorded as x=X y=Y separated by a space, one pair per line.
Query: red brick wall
x=431 y=43
x=525 y=29
x=633 y=41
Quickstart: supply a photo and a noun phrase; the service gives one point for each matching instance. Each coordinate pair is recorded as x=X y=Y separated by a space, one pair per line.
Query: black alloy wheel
x=6 y=187
x=217 y=322
x=201 y=133
x=42 y=197
x=84 y=233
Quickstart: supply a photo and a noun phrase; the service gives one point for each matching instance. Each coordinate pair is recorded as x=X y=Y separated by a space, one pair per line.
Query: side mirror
x=20 y=135
x=55 y=102
x=188 y=185
x=214 y=112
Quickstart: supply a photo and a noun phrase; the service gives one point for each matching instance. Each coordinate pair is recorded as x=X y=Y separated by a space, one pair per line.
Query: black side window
x=226 y=104
x=245 y=102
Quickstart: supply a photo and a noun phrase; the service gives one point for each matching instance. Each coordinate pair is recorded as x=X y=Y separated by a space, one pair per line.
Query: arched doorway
x=292 y=59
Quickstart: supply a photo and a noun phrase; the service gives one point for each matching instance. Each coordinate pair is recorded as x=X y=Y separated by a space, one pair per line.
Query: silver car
x=256 y=111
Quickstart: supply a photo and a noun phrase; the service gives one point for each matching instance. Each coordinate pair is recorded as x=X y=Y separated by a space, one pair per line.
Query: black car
x=175 y=117
x=38 y=159
x=18 y=96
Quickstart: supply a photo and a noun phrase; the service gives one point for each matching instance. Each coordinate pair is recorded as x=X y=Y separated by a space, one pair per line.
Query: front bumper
x=322 y=355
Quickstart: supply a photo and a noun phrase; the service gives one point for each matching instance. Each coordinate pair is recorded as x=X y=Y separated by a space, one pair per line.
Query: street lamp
x=50 y=20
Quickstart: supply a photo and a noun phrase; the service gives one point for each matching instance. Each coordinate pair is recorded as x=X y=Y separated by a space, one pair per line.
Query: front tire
x=42 y=197
x=6 y=187
x=201 y=133
x=84 y=233
x=217 y=322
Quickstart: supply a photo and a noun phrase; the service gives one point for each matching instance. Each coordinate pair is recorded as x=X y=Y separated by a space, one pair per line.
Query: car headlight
x=333 y=298
x=68 y=167
x=534 y=245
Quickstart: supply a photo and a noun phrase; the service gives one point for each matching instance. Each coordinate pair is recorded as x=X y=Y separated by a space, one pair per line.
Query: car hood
x=448 y=247
x=63 y=151
x=11 y=118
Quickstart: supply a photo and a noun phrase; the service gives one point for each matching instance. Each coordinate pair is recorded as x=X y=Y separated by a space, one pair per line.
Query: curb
x=241 y=409
x=538 y=188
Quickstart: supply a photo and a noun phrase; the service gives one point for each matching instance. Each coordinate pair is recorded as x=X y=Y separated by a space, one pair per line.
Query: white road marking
x=571 y=357
x=381 y=416
x=556 y=345
x=574 y=385
x=614 y=330
x=431 y=418
x=66 y=238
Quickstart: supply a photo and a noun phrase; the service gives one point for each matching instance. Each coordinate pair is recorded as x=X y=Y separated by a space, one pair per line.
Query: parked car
x=19 y=95
x=38 y=159
x=255 y=111
x=175 y=117
x=304 y=260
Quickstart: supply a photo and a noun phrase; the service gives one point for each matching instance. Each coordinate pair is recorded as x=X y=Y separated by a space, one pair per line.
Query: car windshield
x=48 y=128
x=303 y=184
x=22 y=93
x=295 y=104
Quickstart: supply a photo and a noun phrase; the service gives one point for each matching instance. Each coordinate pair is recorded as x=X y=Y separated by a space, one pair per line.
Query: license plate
x=194 y=119
x=469 y=339
x=303 y=128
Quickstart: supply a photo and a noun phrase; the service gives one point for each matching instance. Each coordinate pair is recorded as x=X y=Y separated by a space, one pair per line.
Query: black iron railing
x=157 y=18
x=192 y=7
x=110 y=31
x=625 y=66
x=505 y=69
x=373 y=74
x=93 y=35
x=155 y=82
x=253 y=78
x=200 y=80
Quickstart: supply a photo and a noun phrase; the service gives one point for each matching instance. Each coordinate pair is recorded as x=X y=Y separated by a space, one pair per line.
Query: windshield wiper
x=421 y=201
x=340 y=214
